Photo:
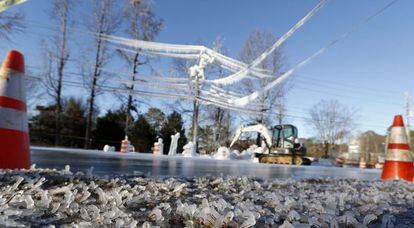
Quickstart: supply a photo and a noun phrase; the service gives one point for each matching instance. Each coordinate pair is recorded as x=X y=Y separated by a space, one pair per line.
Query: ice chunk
x=250 y=219
x=156 y=215
x=286 y=224
x=24 y=201
x=387 y=221
x=348 y=219
x=293 y=216
x=223 y=153
x=67 y=169
x=177 y=190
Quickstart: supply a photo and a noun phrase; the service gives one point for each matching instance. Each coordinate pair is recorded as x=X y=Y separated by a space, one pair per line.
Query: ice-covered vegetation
x=44 y=197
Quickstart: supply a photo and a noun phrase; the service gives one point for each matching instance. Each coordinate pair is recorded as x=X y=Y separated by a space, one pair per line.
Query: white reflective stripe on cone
x=13 y=119
x=398 y=155
x=398 y=135
x=12 y=86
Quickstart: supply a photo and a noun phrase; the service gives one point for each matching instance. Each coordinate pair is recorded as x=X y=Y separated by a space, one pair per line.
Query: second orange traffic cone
x=125 y=145
x=14 y=132
x=398 y=163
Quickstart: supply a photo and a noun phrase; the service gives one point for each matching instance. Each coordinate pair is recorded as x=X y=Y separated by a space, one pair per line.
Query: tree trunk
x=93 y=94
x=217 y=125
x=130 y=101
x=96 y=73
x=326 y=149
x=61 y=65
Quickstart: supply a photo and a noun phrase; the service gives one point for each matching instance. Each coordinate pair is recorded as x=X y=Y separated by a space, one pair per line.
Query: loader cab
x=284 y=136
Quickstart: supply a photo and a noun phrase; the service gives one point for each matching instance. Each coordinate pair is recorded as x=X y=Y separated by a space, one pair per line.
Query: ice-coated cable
x=155 y=46
x=122 y=90
x=148 y=78
x=249 y=98
x=243 y=73
x=180 y=51
x=166 y=54
x=227 y=106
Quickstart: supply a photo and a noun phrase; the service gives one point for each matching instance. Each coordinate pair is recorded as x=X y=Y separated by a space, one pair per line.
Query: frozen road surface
x=109 y=163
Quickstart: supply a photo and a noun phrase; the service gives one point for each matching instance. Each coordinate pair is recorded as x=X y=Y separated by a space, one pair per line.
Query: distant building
x=369 y=145
x=354 y=152
x=372 y=147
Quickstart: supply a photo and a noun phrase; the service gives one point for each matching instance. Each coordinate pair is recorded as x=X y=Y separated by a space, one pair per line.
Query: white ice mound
x=188 y=150
x=223 y=153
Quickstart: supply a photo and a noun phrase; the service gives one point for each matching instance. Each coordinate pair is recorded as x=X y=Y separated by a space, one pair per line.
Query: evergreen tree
x=173 y=125
x=73 y=121
x=142 y=135
x=109 y=130
x=206 y=140
x=156 y=118
x=42 y=126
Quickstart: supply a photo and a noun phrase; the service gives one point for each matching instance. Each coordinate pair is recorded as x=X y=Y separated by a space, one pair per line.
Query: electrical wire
x=243 y=73
x=245 y=100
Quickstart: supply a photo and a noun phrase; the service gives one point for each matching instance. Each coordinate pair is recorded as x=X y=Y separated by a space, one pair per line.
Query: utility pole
x=197 y=75
x=196 y=107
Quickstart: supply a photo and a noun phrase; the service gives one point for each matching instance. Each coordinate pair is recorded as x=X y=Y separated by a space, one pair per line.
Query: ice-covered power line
x=348 y=90
x=123 y=90
x=243 y=73
x=349 y=97
x=140 y=77
x=206 y=56
x=180 y=51
x=354 y=86
x=253 y=96
x=208 y=100
x=6 y=4
x=204 y=99
x=207 y=92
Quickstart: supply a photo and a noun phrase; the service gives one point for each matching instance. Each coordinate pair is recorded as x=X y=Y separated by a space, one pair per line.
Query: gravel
x=60 y=198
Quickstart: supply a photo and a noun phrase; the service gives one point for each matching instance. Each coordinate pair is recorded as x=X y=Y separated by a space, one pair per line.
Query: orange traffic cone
x=362 y=163
x=398 y=163
x=158 y=147
x=124 y=145
x=14 y=130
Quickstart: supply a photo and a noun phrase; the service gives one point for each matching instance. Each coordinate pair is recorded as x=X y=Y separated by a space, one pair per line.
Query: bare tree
x=272 y=102
x=57 y=56
x=180 y=68
x=105 y=20
x=10 y=23
x=332 y=121
x=34 y=91
x=142 y=24
x=219 y=118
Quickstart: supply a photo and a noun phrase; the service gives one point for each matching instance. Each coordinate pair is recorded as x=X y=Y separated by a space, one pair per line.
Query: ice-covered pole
x=173 y=145
x=196 y=74
x=196 y=106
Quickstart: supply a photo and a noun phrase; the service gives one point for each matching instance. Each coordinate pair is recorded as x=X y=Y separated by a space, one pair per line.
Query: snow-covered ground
x=43 y=197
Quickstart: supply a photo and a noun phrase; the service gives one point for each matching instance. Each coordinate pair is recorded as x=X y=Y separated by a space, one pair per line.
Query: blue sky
x=368 y=70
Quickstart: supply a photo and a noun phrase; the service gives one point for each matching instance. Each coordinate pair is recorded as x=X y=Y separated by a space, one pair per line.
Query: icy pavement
x=107 y=163
x=47 y=198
